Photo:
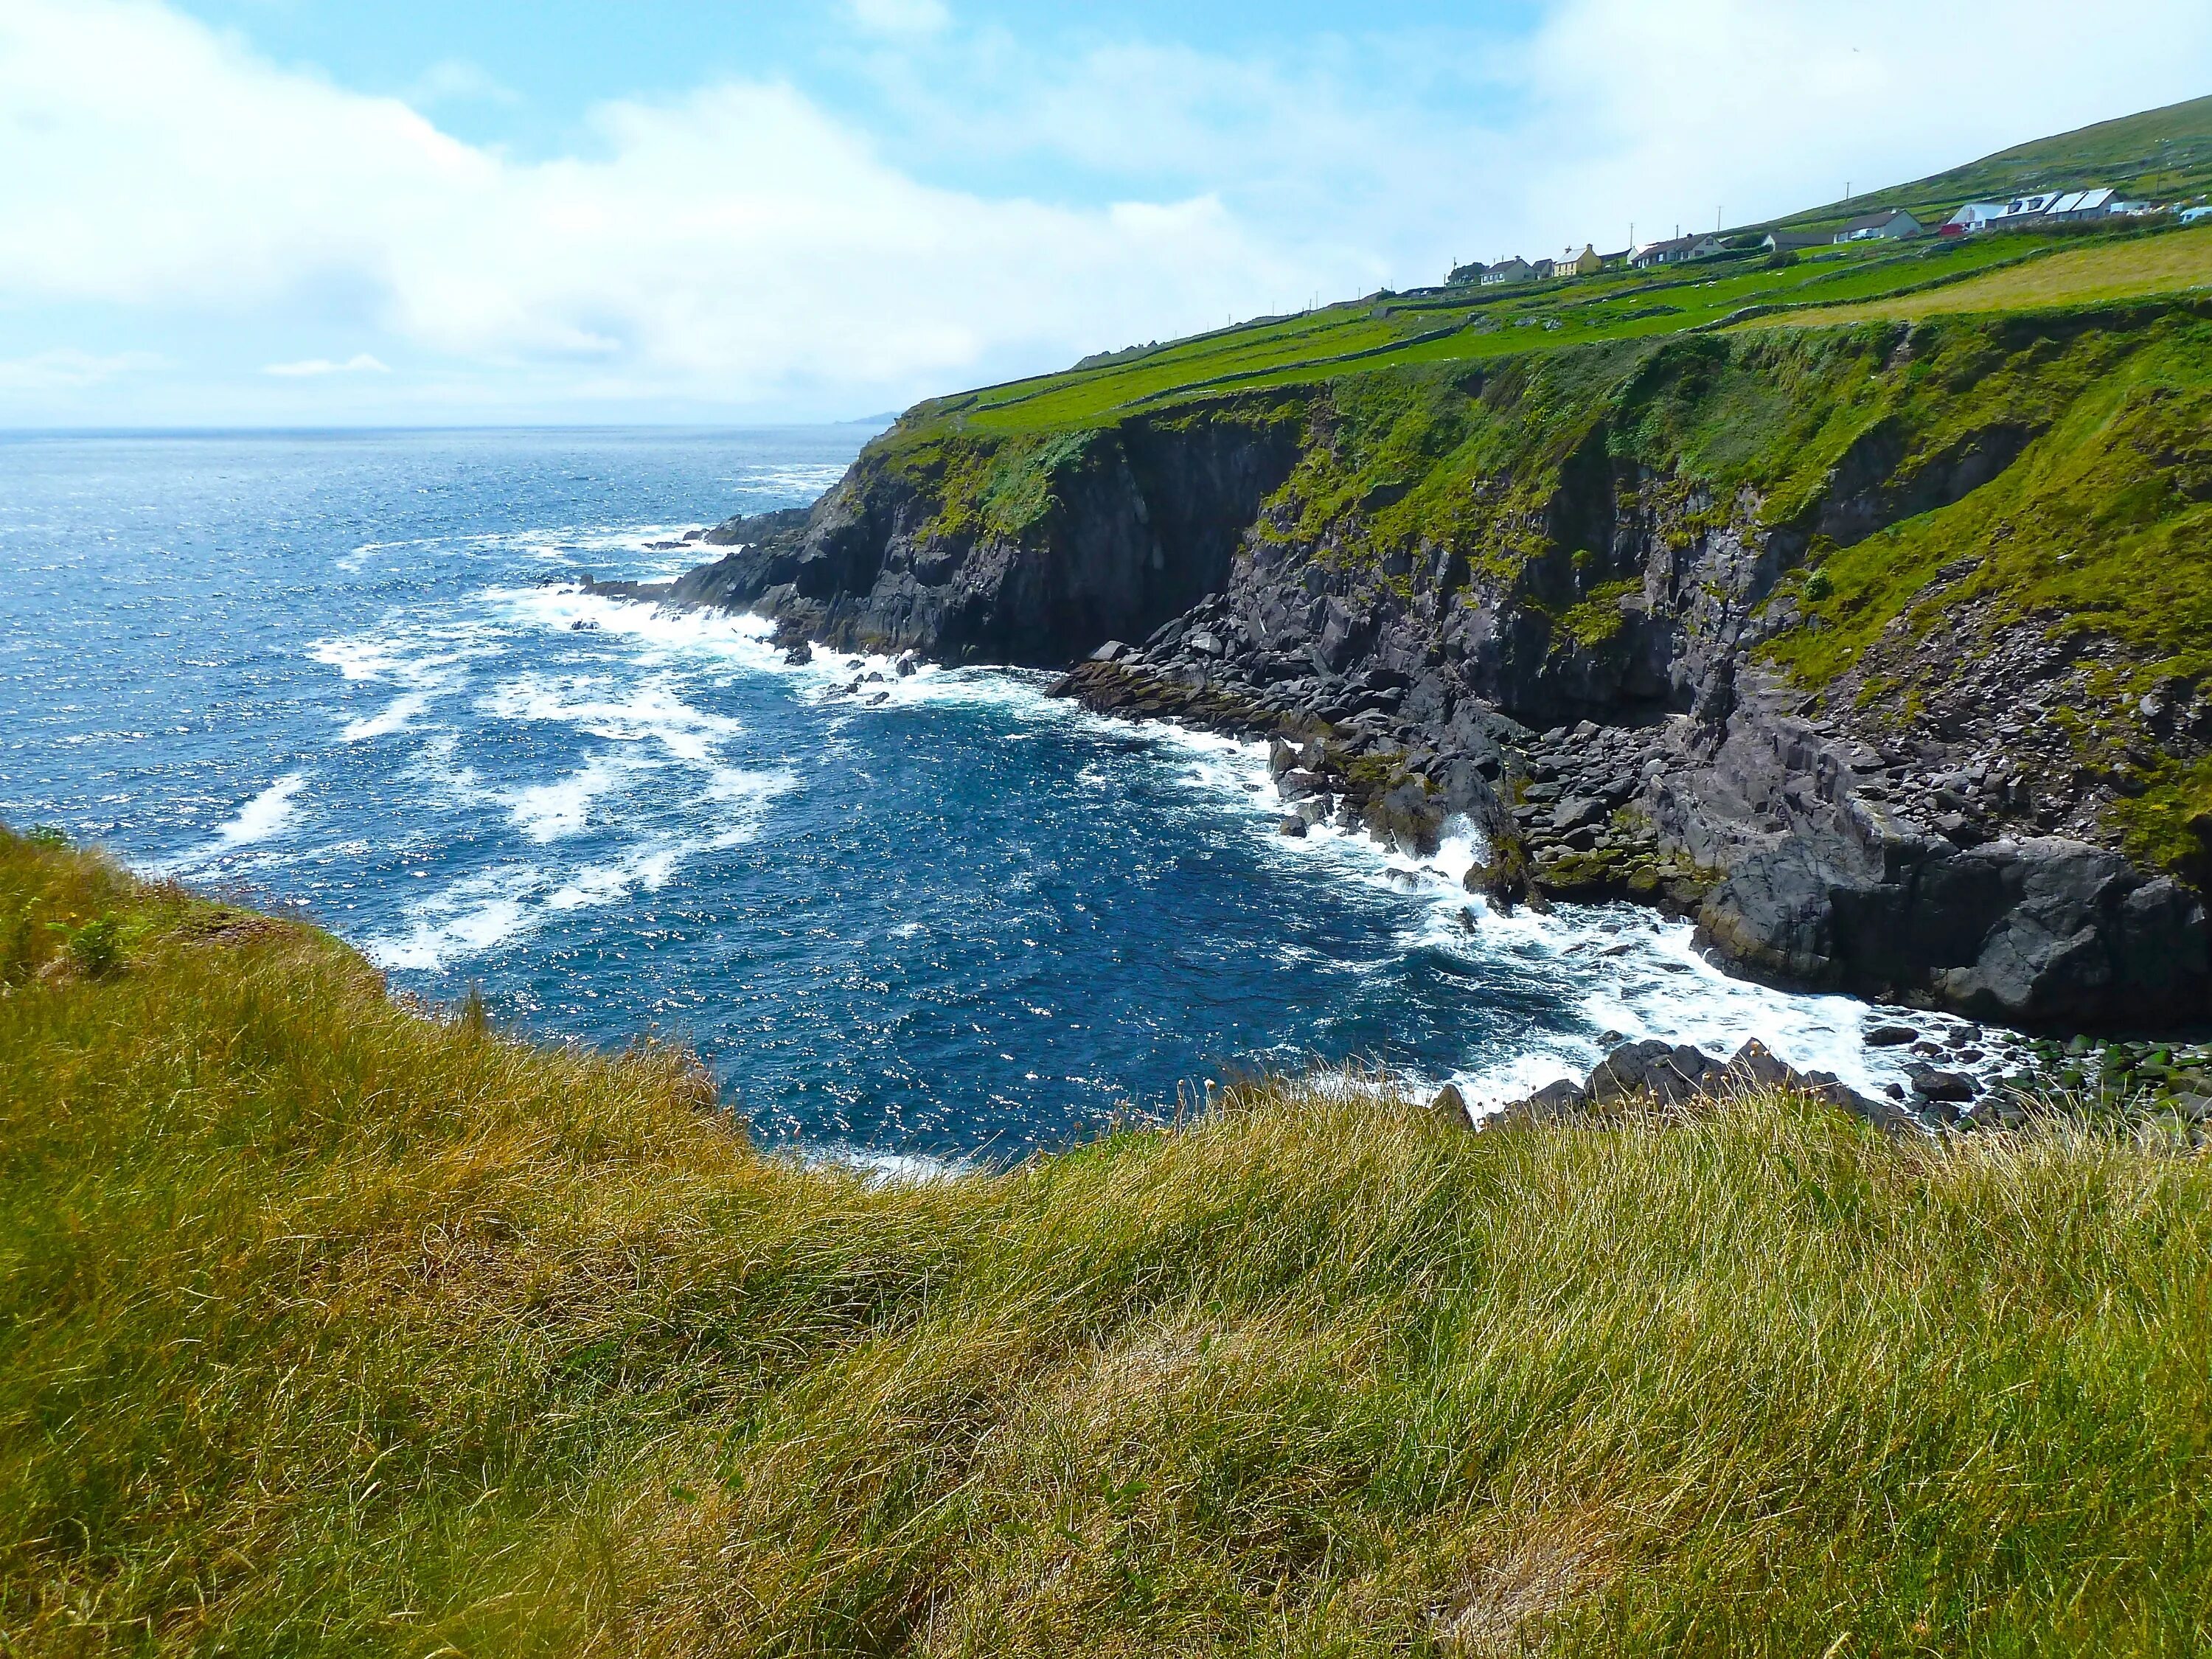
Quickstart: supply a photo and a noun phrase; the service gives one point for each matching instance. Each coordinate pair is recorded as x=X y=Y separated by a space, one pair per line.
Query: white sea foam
x=549 y=812
x=883 y=1169
x=651 y=711
x=647 y=867
x=265 y=816
x=395 y=716
x=467 y=919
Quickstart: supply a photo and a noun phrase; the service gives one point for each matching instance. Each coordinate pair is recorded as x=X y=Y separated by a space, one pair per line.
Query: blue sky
x=304 y=211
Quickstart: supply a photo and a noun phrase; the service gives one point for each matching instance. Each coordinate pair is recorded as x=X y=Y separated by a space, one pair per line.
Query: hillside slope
x=327 y=1327
x=2158 y=155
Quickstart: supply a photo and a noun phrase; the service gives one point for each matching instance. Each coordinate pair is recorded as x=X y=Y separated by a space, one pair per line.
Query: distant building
x=1543 y=270
x=1890 y=224
x=1508 y=271
x=2026 y=212
x=1467 y=273
x=2191 y=215
x=1672 y=251
x=1709 y=247
x=1585 y=264
x=1789 y=241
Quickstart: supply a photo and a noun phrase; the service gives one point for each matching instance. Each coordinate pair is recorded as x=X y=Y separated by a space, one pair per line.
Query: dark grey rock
x=1666 y=1071
x=1889 y=1036
x=1939 y=1086
x=1577 y=812
x=1449 y=1106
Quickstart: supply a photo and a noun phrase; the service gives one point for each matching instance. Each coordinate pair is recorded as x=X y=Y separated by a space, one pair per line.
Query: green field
x=2165 y=155
x=2094 y=275
x=330 y=1327
x=1475 y=326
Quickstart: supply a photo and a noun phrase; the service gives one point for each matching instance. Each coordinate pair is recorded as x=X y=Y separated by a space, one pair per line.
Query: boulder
x=1889 y=1036
x=1112 y=651
x=1299 y=785
x=1577 y=812
x=1668 y=1072
x=799 y=655
x=1293 y=826
x=1934 y=1085
x=1449 y=1106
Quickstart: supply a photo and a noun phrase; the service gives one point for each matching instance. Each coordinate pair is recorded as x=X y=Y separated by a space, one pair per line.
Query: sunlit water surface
x=344 y=671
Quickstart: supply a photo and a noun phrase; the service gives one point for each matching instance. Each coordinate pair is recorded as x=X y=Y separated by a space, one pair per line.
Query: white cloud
x=899 y=16
x=735 y=244
x=359 y=363
x=64 y=368
x=742 y=246
x=455 y=80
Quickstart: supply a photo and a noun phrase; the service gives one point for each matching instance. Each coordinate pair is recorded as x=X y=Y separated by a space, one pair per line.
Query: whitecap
x=261 y=818
x=549 y=812
x=395 y=716
x=467 y=919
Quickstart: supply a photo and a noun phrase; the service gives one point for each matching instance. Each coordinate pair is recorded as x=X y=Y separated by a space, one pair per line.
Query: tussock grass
x=327 y=1325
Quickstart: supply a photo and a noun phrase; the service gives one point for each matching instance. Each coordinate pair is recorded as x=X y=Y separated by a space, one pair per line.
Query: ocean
x=952 y=918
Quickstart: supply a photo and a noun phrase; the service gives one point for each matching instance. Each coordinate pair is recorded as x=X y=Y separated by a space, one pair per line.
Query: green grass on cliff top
x=1451 y=325
x=330 y=1327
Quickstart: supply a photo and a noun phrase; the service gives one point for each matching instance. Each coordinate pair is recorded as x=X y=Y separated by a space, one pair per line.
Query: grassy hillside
x=2161 y=156
x=1477 y=327
x=2164 y=153
x=327 y=1325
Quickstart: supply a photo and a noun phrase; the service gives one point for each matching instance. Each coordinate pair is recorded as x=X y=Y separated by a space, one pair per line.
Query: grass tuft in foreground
x=329 y=1326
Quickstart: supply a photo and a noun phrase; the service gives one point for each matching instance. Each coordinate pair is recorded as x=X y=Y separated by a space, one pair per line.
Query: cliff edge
x=1880 y=648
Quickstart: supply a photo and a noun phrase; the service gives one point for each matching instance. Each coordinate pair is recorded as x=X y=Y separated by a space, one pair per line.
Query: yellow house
x=1584 y=263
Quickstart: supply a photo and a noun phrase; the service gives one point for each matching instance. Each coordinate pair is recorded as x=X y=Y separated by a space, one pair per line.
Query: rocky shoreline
x=2161 y=1092
x=1572 y=648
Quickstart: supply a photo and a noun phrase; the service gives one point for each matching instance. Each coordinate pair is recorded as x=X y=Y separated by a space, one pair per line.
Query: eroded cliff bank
x=1882 y=650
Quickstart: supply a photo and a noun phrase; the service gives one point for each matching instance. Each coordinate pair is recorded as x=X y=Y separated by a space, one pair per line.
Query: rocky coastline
x=2162 y=1093
x=1602 y=706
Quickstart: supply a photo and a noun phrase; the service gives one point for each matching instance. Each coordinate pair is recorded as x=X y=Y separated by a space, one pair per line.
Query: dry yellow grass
x=2162 y=264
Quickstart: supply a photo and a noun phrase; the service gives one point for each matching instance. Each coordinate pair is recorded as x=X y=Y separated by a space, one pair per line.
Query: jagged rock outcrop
x=1564 y=629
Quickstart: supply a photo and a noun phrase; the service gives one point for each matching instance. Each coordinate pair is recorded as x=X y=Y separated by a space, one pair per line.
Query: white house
x=2046 y=208
x=1516 y=270
x=1672 y=251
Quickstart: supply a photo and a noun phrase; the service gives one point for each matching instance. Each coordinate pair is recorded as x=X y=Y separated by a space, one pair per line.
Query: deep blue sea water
x=343 y=670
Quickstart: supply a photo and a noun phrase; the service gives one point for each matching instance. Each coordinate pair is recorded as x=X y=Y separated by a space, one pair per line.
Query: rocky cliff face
x=1561 y=597
x=1123 y=530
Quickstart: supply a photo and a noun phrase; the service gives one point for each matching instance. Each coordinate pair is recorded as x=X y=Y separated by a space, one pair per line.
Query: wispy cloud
x=65 y=369
x=359 y=363
x=899 y=16
x=455 y=80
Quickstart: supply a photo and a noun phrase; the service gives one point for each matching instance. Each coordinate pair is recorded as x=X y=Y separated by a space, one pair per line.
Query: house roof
x=1875 y=221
